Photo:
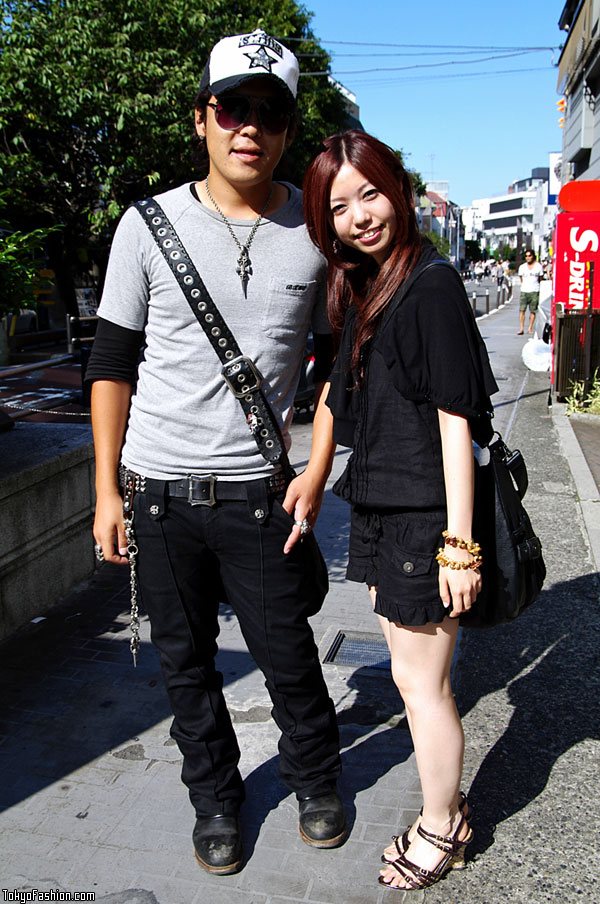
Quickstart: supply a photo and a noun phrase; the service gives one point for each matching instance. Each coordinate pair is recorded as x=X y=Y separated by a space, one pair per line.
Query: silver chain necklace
x=244 y=264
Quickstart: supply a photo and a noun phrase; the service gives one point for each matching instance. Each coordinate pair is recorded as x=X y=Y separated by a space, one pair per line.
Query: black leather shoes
x=322 y=820
x=218 y=844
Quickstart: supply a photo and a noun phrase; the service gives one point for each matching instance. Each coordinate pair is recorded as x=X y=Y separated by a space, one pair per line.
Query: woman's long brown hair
x=354 y=277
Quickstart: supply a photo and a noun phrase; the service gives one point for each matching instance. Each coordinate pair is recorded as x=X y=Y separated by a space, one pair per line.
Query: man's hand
x=109 y=530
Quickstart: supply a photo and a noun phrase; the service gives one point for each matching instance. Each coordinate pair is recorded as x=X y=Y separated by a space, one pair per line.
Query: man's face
x=247 y=156
x=529 y=257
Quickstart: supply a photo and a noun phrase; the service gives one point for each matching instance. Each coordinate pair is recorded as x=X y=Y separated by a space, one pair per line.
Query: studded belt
x=198 y=489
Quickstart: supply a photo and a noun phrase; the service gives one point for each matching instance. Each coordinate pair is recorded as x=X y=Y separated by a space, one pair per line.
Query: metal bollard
x=475 y=303
x=487 y=301
x=498 y=293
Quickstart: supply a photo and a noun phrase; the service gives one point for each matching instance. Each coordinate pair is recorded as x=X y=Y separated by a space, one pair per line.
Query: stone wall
x=46 y=506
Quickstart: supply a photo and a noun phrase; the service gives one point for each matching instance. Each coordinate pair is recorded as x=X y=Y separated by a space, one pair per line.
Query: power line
x=478 y=48
x=456 y=75
x=339 y=56
x=404 y=53
x=344 y=72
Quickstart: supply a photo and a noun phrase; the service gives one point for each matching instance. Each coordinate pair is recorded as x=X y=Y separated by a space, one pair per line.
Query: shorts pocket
x=418 y=538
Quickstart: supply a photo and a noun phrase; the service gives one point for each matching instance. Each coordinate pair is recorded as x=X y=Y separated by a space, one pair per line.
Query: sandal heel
x=458 y=861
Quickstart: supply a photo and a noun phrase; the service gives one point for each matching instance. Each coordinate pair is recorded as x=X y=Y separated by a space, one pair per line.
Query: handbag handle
x=239 y=372
x=514 y=461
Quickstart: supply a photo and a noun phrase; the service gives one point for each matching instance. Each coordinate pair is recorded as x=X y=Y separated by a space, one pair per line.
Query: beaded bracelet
x=458 y=542
x=446 y=562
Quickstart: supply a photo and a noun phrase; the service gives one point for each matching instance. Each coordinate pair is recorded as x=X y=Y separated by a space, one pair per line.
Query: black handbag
x=513 y=569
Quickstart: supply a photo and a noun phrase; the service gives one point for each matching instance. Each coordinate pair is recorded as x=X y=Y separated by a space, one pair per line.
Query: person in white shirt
x=530 y=274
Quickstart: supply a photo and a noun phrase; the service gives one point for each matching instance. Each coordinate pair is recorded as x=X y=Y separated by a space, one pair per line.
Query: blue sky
x=476 y=125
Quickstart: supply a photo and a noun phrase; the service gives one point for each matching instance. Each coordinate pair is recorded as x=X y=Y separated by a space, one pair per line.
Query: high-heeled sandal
x=417 y=877
x=402 y=841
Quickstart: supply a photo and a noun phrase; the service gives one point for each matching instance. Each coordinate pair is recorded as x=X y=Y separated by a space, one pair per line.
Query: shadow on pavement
x=548 y=662
x=364 y=762
x=70 y=692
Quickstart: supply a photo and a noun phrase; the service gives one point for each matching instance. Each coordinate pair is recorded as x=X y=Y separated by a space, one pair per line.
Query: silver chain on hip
x=244 y=264
x=134 y=615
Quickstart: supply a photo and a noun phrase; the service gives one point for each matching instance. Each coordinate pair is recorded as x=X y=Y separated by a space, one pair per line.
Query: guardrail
x=74 y=338
x=38 y=365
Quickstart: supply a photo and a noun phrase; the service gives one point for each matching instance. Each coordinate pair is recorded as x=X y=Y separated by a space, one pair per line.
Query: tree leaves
x=96 y=103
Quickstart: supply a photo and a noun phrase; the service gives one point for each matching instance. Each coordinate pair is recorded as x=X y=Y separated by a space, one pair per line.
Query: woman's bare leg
x=421 y=659
x=383 y=622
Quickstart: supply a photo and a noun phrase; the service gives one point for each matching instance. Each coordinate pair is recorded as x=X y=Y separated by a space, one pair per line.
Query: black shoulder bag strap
x=408 y=284
x=239 y=372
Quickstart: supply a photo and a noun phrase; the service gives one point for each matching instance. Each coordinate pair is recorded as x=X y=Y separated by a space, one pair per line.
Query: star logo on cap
x=260 y=60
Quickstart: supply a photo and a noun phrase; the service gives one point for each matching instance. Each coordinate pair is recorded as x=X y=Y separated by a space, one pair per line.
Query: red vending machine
x=576 y=289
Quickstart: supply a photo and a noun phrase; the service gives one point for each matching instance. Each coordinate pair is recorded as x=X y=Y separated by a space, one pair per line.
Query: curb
x=588 y=495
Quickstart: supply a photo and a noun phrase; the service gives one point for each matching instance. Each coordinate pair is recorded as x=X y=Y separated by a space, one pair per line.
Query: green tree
x=442 y=244
x=21 y=258
x=96 y=102
x=473 y=250
x=417 y=180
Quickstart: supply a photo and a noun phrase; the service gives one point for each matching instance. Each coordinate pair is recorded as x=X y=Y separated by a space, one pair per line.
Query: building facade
x=579 y=83
x=442 y=217
x=521 y=218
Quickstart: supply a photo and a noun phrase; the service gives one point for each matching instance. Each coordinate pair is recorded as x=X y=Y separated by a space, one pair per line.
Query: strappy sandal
x=402 y=841
x=416 y=877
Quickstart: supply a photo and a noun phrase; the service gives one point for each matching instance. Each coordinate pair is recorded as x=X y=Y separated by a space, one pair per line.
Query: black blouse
x=427 y=354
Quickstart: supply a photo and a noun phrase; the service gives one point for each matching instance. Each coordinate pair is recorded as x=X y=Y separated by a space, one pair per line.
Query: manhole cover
x=359 y=648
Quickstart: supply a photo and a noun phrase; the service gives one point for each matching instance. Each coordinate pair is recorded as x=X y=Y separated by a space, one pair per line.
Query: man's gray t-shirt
x=183 y=418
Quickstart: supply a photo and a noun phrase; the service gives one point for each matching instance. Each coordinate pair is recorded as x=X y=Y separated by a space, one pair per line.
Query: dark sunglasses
x=234 y=111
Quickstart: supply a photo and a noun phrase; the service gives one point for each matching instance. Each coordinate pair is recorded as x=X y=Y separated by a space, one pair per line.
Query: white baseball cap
x=238 y=58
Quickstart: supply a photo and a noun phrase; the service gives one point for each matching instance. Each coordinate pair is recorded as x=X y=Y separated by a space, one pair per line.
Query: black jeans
x=191 y=558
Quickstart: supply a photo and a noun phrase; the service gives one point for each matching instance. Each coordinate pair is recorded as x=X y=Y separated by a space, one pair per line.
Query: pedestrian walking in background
x=214 y=520
x=499 y=273
x=530 y=274
x=410 y=388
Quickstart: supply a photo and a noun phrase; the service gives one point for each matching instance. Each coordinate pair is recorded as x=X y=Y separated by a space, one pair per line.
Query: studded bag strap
x=239 y=372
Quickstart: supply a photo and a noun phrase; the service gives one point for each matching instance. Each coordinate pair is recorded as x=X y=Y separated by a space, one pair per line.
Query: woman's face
x=361 y=215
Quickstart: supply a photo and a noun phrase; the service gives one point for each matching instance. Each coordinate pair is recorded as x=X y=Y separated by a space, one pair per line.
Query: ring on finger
x=303 y=525
x=98 y=553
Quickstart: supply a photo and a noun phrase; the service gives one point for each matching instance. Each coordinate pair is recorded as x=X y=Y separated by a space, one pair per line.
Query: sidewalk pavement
x=91 y=795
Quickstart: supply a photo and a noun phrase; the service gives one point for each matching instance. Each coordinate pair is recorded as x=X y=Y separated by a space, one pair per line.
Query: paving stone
x=134 y=845
x=214 y=894
x=274 y=882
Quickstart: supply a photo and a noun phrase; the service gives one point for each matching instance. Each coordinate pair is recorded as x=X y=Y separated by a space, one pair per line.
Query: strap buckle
x=242 y=376
x=201 y=489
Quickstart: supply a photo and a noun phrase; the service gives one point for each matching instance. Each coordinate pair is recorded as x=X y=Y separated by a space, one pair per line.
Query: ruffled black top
x=427 y=354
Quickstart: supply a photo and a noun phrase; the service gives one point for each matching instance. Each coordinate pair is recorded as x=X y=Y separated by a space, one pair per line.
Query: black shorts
x=395 y=552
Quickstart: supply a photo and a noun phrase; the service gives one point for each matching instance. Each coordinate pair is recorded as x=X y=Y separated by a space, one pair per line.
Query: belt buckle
x=203 y=482
x=242 y=376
